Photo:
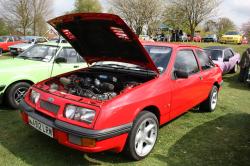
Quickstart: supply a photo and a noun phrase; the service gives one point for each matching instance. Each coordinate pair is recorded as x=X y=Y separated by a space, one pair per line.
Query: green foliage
x=87 y=6
x=3 y=28
x=225 y=24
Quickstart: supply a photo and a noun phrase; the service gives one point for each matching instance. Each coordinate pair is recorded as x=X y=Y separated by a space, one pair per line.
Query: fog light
x=88 y=142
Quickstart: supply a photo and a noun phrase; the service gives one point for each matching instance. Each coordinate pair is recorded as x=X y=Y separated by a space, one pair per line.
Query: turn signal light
x=88 y=142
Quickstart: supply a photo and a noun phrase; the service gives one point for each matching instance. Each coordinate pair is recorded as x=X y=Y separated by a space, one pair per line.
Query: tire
x=15 y=93
x=209 y=105
x=235 y=68
x=141 y=142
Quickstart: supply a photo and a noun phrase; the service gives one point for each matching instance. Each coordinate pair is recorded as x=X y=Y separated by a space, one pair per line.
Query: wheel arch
x=24 y=80
x=153 y=109
x=217 y=85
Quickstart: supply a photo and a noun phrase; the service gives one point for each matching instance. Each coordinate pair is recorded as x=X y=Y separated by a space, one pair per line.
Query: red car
x=6 y=41
x=119 y=102
x=197 y=38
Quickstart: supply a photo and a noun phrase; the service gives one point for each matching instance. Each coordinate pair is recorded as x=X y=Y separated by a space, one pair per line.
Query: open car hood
x=102 y=37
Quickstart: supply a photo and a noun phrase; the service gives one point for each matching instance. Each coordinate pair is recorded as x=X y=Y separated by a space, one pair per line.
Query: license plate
x=41 y=127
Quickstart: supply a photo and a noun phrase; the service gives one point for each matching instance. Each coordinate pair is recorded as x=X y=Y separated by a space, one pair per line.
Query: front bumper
x=107 y=139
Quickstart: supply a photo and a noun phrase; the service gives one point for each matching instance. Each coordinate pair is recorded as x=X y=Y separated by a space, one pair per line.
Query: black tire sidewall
x=10 y=93
x=130 y=145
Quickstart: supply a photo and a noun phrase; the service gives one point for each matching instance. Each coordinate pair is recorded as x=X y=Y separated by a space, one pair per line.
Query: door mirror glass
x=180 y=74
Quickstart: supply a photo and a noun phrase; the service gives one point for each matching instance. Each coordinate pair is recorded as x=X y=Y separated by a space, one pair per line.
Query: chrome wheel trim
x=19 y=94
x=145 y=137
x=214 y=99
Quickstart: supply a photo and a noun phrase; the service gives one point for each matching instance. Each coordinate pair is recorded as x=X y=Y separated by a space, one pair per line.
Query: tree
x=41 y=10
x=16 y=13
x=224 y=24
x=24 y=15
x=3 y=28
x=138 y=13
x=87 y=6
x=191 y=13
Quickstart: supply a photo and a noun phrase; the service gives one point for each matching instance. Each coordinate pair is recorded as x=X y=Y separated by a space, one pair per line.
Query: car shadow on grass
x=233 y=82
x=34 y=148
x=223 y=141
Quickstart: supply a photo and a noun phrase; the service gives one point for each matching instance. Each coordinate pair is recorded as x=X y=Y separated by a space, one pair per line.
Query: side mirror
x=60 y=60
x=181 y=74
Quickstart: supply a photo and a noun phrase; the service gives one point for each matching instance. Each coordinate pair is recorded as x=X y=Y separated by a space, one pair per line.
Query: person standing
x=244 y=66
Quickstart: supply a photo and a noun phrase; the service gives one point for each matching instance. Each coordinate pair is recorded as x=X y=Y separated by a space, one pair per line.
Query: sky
x=236 y=10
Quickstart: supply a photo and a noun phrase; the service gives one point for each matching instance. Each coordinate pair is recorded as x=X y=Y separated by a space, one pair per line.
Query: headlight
x=34 y=96
x=79 y=114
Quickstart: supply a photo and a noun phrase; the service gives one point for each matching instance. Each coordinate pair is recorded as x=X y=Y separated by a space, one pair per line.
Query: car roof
x=56 y=44
x=217 y=47
x=173 y=45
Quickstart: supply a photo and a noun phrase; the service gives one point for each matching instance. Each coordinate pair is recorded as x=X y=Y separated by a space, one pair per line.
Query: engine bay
x=97 y=85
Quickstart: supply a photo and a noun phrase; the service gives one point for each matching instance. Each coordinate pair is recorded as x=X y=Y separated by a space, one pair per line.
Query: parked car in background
x=197 y=38
x=30 y=41
x=232 y=37
x=37 y=63
x=184 y=37
x=210 y=38
x=224 y=57
x=244 y=40
x=58 y=40
x=114 y=106
x=6 y=41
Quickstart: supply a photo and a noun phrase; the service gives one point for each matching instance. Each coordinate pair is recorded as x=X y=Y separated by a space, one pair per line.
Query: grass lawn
x=221 y=138
x=5 y=56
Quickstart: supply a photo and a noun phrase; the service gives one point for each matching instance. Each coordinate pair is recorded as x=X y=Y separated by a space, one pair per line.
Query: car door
x=185 y=91
x=72 y=61
x=226 y=60
x=207 y=73
x=232 y=59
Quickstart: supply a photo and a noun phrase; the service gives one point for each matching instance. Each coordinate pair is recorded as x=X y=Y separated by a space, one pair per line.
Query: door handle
x=76 y=66
x=201 y=78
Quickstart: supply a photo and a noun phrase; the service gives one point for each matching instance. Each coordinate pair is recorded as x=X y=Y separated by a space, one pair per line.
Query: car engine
x=98 y=87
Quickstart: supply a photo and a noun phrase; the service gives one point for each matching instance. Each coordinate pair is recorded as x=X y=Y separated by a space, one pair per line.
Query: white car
x=31 y=40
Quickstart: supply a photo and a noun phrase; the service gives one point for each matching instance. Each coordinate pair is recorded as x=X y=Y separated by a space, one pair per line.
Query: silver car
x=30 y=41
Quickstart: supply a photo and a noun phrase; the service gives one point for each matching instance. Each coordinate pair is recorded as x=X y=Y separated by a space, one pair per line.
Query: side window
x=70 y=55
x=228 y=54
x=205 y=61
x=185 y=61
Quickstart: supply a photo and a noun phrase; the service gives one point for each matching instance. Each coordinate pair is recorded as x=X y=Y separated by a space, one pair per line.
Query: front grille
x=49 y=106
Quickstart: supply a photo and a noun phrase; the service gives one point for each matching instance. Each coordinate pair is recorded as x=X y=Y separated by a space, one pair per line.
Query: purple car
x=225 y=57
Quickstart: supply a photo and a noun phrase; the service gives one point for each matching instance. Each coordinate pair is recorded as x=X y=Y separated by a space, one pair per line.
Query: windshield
x=210 y=36
x=3 y=39
x=39 y=53
x=232 y=33
x=160 y=55
x=214 y=54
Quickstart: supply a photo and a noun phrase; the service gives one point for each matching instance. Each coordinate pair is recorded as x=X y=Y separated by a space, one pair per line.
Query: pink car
x=197 y=38
x=224 y=57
